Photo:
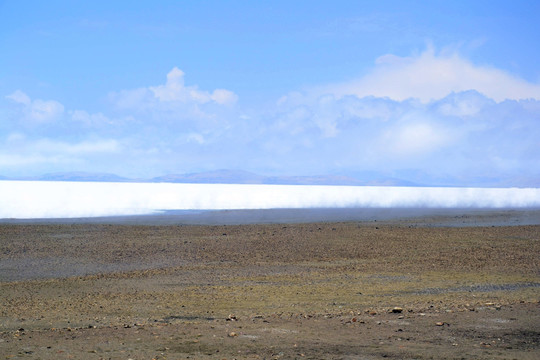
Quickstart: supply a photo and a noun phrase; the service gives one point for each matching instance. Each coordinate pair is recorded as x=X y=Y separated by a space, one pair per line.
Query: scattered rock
x=232 y=334
x=397 y=310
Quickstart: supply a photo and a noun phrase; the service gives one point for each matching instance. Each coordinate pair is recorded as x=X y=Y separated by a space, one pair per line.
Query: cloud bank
x=36 y=111
x=430 y=76
x=431 y=118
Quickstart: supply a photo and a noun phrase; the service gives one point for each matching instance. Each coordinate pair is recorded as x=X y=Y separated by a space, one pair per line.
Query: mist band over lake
x=57 y=199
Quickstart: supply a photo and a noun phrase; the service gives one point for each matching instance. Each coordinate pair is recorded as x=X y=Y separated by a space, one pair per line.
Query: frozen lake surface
x=58 y=199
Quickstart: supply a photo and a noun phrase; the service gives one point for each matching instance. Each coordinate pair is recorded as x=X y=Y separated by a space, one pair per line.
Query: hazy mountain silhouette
x=365 y=178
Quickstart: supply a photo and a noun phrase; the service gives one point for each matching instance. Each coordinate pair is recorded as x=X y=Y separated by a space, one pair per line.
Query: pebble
x=232 y=334
x=397 y=310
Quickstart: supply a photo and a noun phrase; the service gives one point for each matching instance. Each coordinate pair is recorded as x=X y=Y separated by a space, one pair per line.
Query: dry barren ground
x=305 y=291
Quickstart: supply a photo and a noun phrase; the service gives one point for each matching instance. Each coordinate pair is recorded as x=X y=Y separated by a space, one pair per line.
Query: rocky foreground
x=356 y=290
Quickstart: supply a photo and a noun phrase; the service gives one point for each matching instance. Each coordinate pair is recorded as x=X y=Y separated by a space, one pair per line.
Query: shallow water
x=403 y=216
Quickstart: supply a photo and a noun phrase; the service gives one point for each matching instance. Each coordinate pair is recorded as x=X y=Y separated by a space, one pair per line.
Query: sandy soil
x=350 y=290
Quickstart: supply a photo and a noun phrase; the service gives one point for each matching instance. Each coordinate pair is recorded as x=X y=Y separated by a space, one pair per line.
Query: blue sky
x=432 y=91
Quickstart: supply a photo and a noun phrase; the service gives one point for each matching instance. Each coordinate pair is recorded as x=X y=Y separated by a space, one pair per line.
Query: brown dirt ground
x=294 y=291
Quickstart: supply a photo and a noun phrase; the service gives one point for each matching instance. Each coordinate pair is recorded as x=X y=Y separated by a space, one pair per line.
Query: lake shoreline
x=420 y=216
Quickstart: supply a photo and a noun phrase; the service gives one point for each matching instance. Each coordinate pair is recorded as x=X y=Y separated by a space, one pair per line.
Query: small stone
x=440 y=323
x=232 y=334
x=397 y=310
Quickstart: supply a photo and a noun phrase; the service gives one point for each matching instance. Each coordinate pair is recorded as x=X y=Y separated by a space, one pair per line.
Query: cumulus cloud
x=37 y=111
x=435 y=112
x=174 y=91
x=172 y=111
x=88 y=119
x=461 y=134
x=430 y=76
x=464 y=104
x=413 y=139
x=19 y=97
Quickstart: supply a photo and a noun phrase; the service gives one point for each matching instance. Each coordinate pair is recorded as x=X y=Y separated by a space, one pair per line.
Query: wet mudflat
x=344 y=290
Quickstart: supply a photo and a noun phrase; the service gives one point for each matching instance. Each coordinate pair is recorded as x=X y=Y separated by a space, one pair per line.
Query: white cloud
x=175 y=90
x=89 y=119
x=465 y=104
x=20 y=154
x=23 y=143
x=413 y=139
x=430 y=76
x=19 y=97
x=224 y=97
x=78 y=148
x=10 y=160
x=38 y=111
x=197 y=138
x=176 y=106
x=461 y=134
x=131 y=99
x=369 y=124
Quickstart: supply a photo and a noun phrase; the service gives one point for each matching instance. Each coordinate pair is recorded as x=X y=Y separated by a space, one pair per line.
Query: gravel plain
x=417 y=287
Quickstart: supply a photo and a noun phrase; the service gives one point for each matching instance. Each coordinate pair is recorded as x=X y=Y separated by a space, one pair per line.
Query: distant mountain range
x=221 y=177
x=244 y=177
x=83 y=176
